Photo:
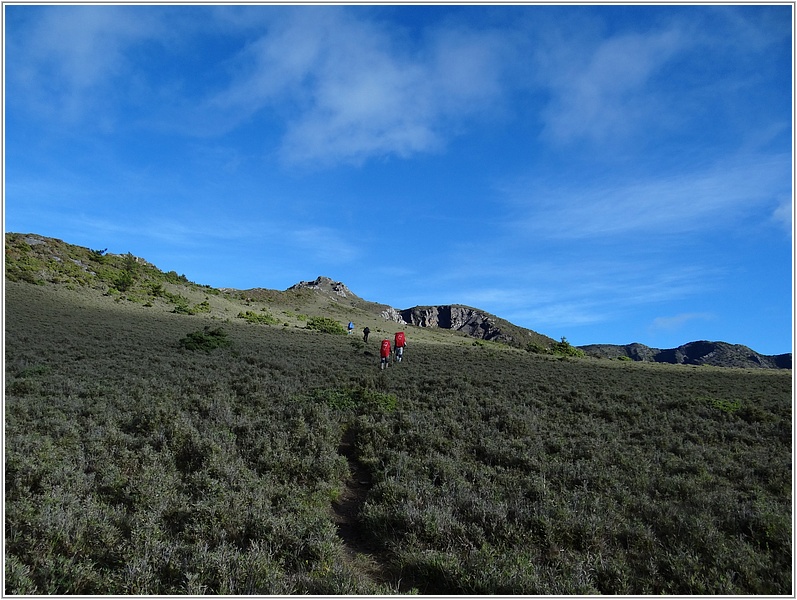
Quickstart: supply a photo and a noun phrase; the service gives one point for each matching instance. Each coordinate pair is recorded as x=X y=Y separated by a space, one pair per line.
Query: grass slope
x=135 y=465
x=165 y=437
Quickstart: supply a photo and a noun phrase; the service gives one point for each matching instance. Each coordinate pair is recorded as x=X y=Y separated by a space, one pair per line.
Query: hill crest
x=40 y=260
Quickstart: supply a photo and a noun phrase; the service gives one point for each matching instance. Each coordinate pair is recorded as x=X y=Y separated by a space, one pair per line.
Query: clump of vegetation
x=263 y=318
x=359 y=398
x=728 y=406
x=183 y=308
x=206 y=340
x=325 y=325
x=537 y=348
x=561 y=348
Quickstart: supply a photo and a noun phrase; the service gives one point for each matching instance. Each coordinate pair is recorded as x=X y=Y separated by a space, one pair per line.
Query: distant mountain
x=718 y=354
x=41 y=260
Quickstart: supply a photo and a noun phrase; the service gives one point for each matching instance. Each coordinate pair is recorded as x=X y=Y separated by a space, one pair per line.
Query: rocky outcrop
x=324 y=284
x=391 y=314
x=467 y=320
x=718 y=354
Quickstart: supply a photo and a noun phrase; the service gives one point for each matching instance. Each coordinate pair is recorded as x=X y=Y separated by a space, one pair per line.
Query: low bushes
x=262 y=318
x=325 y=325
x=137 y=465
x=206 y=340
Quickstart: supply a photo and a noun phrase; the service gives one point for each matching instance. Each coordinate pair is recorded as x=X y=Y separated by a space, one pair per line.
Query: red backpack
x=385 y=351
x=400 y=339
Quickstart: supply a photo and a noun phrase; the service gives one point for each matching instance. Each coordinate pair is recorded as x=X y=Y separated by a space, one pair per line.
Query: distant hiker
x=366 y=331
x=384 y=353
x=400 y=342
x=351 y=327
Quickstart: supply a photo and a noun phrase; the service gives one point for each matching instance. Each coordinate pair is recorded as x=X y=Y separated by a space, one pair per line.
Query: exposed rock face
x=391 y=314
x=464 y=319
x=459 y=318
x=325 y=284
x=718 y=354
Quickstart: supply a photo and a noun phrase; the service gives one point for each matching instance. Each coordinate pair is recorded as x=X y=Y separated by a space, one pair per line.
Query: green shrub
x=563 y=348
x=258 y=319
x=727 y=406
x=156 y=289
x=124 y=281
x=325 y=325
x=206 y=340
x=173 y=277
x=536 y=348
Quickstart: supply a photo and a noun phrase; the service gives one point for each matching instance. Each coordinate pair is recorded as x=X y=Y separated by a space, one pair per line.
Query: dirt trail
x=346 y=508
x=345 y=514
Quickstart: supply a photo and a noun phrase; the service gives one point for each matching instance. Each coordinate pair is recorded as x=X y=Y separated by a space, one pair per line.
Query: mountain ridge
x=40 y=260
x=700 y=352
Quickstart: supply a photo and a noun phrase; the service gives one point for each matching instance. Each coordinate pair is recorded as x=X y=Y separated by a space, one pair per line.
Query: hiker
x=366 y=331
x=384 y=353
x=400 y=343
x=351 y=327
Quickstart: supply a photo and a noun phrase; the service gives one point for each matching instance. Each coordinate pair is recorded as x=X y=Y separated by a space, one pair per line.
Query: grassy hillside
x=164 y=437
x=141 y=459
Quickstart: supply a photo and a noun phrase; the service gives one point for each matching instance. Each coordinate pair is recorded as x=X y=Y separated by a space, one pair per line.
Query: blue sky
x=611 y=174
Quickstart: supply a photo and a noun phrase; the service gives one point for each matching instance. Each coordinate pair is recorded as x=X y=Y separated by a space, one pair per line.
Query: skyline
x=606 y=173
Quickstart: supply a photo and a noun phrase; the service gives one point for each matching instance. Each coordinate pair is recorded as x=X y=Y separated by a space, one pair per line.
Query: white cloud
x=65 y=63
x=551 y=292
x=321 y=243
x=350 y=89
x=692 y=201
x=601 y=92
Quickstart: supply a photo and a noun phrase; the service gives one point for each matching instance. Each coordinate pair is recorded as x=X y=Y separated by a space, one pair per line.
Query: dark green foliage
x=355 y=398
x=326 y=325
x=156 y=289
x=205 y=340
x=173 y=277
x=135 y=467
x=124 y=281
x=563 y=348
x=182 y=305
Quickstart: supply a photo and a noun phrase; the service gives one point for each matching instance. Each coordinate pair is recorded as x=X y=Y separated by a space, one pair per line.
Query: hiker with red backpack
x=400 y=343
x=384 y=353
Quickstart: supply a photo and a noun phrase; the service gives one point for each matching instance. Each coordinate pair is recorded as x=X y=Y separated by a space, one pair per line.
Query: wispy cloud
x=324 y=244
x=676 y=322
x=74 y=56
x=349 y=88
x=551 y=291
x=783 y=213
x=691 y=201
x=602 y=92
